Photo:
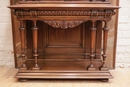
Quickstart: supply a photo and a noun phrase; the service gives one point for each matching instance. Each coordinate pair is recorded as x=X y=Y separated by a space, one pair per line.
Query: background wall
x=123 y=41
x=6 y=45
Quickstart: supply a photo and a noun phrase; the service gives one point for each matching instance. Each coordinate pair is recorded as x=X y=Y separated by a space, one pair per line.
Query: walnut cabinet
x=63 y=39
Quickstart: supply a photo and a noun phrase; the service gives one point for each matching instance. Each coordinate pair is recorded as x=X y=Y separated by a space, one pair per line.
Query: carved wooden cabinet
x=62 y=39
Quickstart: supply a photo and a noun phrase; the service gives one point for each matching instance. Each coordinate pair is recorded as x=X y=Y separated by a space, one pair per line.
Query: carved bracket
x=64 y=24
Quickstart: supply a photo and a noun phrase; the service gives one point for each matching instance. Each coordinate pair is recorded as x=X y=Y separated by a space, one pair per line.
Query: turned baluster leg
x=35 y=44
x=105 y=36
x=93 y=38
x=22 y=36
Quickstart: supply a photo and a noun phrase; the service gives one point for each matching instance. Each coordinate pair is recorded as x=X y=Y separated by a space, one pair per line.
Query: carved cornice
x=40 y=13
x=64 y=24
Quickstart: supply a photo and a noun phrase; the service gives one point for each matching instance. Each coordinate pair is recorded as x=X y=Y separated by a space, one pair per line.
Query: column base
x=103 y=68
x=23 y=68
x=91 y=69
x=36 y=68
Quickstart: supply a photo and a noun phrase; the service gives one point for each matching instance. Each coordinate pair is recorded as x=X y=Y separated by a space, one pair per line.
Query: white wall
x=123 y=43
x=6 y=46
x=123 y=40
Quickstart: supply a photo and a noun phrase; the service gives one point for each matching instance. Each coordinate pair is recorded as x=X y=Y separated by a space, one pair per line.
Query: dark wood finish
x=92 y=46
x=35 y=44
x=66 y=38
x=22 y=34
x=105 y=36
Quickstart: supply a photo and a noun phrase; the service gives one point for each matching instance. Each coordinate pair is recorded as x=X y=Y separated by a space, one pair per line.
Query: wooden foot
x=104 y=80
x=23 y=80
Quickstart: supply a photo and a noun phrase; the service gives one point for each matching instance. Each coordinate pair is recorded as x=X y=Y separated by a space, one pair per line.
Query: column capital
x=35 y=25
x=22 y=25
x=106 y=25
x=93 y=25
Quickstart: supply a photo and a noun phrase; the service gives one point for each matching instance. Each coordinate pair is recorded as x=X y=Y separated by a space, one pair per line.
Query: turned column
x=105 y=36
x=35 y=44
x=92 y=46
x=22 y=36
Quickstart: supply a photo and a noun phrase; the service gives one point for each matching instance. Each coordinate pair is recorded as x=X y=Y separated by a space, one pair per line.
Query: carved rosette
x=64 y=24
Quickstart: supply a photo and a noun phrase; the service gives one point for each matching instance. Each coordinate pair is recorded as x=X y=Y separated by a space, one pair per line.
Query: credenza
x=63 y=39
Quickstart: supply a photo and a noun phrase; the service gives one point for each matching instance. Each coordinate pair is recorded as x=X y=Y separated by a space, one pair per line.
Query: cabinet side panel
x=16 y=38
x=112 y=38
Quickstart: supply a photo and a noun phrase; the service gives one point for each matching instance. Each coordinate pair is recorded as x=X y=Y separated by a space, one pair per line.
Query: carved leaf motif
x=64 y=24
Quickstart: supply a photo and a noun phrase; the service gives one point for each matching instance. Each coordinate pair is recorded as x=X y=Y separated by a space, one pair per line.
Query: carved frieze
x=40 y=13
x=64 y=24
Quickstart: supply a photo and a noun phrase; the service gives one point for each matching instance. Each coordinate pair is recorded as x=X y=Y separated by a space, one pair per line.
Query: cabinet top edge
x=87 y=6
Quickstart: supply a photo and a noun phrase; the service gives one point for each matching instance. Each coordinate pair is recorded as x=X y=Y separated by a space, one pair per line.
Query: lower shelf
x=63 y=70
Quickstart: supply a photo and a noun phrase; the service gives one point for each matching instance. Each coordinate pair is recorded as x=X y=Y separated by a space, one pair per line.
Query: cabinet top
x=62 y=1
x=62 y=4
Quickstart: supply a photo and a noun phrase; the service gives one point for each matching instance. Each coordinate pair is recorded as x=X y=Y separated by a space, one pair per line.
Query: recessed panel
x=65 y=37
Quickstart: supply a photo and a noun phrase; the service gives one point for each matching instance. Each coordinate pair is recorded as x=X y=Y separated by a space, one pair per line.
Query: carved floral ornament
x=64 y=24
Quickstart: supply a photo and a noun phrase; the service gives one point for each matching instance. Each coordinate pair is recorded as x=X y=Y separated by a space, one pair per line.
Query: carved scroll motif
x=64 y=24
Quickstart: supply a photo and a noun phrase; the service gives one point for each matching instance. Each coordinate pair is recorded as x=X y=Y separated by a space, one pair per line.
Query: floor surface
x=121 y=79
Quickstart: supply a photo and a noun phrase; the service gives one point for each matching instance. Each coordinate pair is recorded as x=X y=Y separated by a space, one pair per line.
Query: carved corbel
x=109 y=13
x=19 y=13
